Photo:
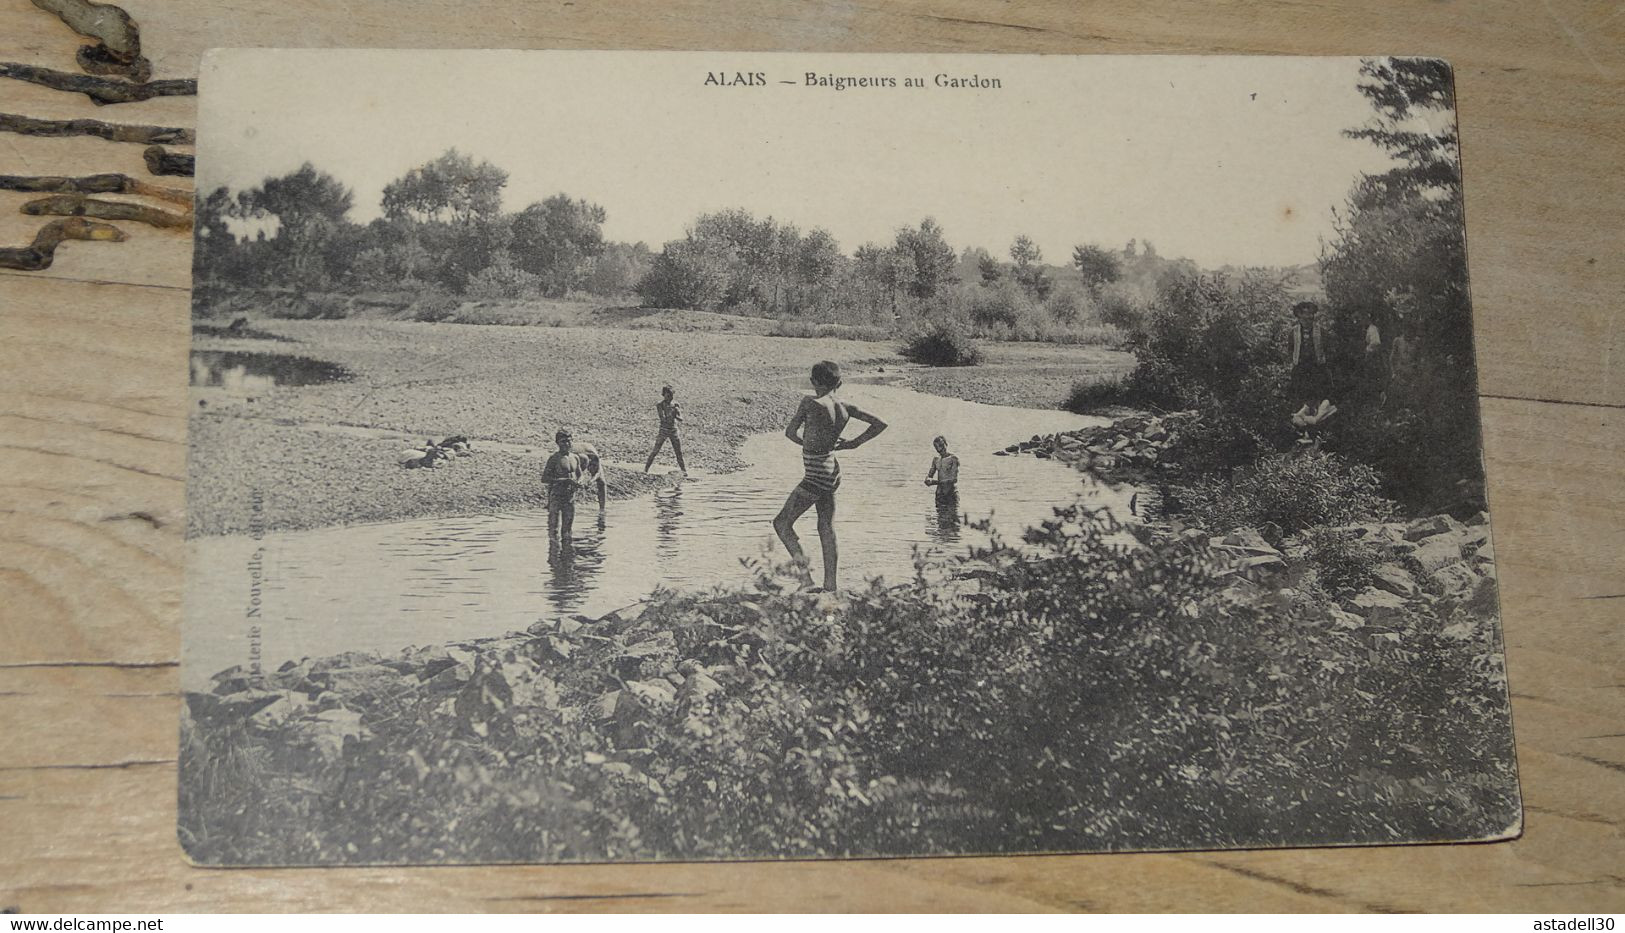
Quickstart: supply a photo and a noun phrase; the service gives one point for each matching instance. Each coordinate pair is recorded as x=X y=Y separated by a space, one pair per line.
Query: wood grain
x=93 y=420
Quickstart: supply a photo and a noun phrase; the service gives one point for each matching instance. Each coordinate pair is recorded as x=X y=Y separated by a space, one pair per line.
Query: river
x=385 y=586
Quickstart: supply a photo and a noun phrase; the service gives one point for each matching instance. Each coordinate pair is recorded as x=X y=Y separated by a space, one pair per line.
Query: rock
x=346 y=659
x=1345 y=619
x=1438 y=551
x=240 y=706
x=287 y=705
x=653 y=691
x=1395 y=579
x=1485 y=554
x=1430 y=526
x=1485 y=599
x=699 y=685
x=371 y=679
x=1372 y=599
x=1454 y=579
x=327 y=732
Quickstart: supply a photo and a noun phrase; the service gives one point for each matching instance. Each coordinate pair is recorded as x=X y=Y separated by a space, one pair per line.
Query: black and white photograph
x=651 y=456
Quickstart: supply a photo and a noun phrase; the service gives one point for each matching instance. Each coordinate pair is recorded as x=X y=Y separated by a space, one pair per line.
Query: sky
x=1224 y=160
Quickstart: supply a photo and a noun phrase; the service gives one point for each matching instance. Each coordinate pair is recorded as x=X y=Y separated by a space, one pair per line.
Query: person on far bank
x=670 y=415
x=563 y=476
x=816 y=427
x=1308 y=355
x=944 y=473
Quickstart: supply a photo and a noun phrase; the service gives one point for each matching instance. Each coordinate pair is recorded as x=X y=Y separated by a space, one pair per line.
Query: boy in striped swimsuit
x=817 y=427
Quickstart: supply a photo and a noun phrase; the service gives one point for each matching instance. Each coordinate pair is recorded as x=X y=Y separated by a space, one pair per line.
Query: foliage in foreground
x=1290 y=492
x=1101 y=696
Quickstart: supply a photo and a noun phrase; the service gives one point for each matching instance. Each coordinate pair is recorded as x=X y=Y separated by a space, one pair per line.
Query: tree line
x=442 y=227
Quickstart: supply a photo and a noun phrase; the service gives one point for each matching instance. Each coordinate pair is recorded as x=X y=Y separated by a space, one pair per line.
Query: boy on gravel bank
x=669 y=414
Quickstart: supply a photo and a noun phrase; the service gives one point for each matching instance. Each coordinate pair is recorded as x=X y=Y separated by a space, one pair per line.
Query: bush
x=433 y=304
x=1121 y=310
x=941 y=342
x=1069 y=305
x=1291 y=492
x=1088 y=396
x=503 y=279
x=1002 y=303
x=1343 y=562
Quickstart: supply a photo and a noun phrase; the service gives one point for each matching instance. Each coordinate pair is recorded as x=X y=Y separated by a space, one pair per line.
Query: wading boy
x=944 y=473
x=562 y=475
x=817 y=427
x=669 y=414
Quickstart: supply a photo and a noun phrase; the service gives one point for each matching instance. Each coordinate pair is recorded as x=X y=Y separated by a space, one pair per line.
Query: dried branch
x=75 y=205
x=38 y=255
x=161 y=161
x=99 y=90
x=119 y=51
x=108 y=183
x=113 y=132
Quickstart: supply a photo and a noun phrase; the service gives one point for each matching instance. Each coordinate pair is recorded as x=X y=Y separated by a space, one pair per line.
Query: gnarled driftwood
x=113 y=132
x=99 y=90
x=107 y=183
x=119 y=42
x=161 y=161
x=76 y=205
x=38 y=255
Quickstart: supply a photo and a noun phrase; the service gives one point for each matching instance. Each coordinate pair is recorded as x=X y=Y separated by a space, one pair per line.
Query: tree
x=450 y=188
x=308 y=206
x=931 y=258
x=1415 y=100
x=693 y=272
x=989 y=269
x=556 y=239
x=818 y=263
x=1098 y=266
x=1029 y=271
x=888 y=269
x=1399 y=249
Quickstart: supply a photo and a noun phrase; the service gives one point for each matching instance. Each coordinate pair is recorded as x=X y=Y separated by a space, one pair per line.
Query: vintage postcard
x=648 y=456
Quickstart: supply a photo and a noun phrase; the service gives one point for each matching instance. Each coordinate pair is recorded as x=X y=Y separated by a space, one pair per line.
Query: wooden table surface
x=93 y=401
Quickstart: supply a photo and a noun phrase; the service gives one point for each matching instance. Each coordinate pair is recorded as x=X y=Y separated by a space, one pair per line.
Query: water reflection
x=942 y=526
x=242 y=372
x=668 y=521
x=573 y=567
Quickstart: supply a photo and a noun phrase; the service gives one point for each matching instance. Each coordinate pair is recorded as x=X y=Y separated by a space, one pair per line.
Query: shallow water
x=386 y=586
x=245 y=372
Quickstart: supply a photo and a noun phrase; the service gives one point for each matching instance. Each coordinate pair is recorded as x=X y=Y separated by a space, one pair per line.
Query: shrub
x=1070 y=305
x=1343 y=562
x=1292 y=492
x=1216 y=329
x=432 y=305
x=1002 y=303
x=941 y=342
x=503 y=279
x=1090 y=395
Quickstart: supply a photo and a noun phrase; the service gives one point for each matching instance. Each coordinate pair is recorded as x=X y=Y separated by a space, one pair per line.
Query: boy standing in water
x=817 y=427
x=669 y=414
x=561 y=475
x=944 y=473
